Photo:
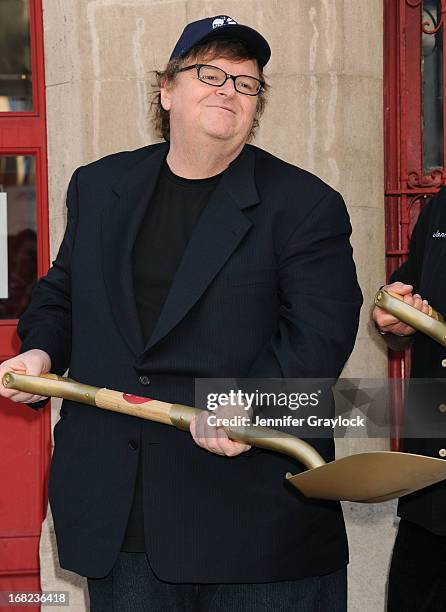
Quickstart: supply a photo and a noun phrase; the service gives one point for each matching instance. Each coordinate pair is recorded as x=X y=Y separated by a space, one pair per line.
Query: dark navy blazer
x=266 y=288
x=425 y=269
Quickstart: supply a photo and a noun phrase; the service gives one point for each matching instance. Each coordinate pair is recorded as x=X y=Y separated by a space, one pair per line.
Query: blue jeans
x=132 y=586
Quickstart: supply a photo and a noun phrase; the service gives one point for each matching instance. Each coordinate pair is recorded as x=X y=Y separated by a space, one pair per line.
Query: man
x=199 y=257
x=417 y=579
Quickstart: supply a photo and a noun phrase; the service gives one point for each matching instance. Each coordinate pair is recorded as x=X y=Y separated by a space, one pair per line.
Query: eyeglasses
x=211 y=75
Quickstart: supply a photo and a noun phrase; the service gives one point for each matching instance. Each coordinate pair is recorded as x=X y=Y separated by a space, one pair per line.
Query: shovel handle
x=434 y=314
x=432 y=324
x=177 y=415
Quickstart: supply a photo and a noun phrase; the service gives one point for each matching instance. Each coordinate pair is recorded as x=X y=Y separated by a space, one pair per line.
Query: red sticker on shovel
x=135 y=399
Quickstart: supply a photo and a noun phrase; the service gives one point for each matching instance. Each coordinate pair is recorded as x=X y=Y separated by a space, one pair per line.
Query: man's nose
x=228 y=88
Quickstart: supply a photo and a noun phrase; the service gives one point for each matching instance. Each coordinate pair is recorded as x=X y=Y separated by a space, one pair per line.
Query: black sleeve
x=409 y=271
x=46 y=323
x=320 y=298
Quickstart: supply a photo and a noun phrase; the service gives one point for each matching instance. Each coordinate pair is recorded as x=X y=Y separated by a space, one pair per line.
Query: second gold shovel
x=365 y=477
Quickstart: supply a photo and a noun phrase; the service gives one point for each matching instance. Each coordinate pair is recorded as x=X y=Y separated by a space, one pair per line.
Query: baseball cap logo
x=222 y=20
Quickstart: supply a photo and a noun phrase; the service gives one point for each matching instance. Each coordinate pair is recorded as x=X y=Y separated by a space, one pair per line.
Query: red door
x=25 y=439
x=414 y=120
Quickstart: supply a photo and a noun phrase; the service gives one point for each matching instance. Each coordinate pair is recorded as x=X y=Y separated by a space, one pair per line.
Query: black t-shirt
x=171 y=216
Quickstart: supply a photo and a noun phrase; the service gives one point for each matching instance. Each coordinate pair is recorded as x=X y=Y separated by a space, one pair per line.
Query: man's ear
x=165 y=96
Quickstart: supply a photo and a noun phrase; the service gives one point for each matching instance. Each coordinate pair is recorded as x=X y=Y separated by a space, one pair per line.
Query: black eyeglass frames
x=211 y=75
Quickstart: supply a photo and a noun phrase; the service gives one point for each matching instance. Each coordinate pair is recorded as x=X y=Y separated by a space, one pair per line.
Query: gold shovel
x=365 y=477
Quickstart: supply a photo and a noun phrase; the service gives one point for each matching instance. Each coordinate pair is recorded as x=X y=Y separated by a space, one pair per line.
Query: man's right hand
x=34 y=362
x=390 y=324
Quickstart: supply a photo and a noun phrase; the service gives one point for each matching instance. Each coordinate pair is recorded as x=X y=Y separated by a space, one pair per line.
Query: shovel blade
x=370 y=477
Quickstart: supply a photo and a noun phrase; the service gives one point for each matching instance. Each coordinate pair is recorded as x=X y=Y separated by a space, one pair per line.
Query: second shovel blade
x=370 y=477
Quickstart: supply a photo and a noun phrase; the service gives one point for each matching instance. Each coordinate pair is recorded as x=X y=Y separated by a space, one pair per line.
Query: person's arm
x=320 y=298
x=319 y=312
x=405 y=281
x=45 y=326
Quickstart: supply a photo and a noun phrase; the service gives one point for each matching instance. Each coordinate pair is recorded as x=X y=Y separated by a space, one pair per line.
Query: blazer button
x=442 y=452
x=133 y=444
x=442 y=407
x=144 y=380
x=443 y=363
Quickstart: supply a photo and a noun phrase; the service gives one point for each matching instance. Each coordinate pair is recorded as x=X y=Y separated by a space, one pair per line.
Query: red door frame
x=406 y=185
x=24 y=133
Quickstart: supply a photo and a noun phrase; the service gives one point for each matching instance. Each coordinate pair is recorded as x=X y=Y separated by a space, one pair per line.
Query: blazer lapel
x=219 y=230
x=120 y=224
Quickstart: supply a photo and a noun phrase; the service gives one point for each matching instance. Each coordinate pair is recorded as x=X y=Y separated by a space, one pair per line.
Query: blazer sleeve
x=320 y=298
x=46 y=323
x=409 y=271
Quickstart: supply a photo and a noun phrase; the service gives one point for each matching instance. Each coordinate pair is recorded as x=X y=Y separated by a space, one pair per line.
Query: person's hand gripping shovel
x=365 y=477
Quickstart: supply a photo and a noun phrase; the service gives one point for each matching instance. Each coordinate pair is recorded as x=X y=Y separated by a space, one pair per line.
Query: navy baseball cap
x=221 y=26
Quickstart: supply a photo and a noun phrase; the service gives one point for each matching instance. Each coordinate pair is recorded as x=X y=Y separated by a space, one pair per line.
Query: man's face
x=201 y=110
